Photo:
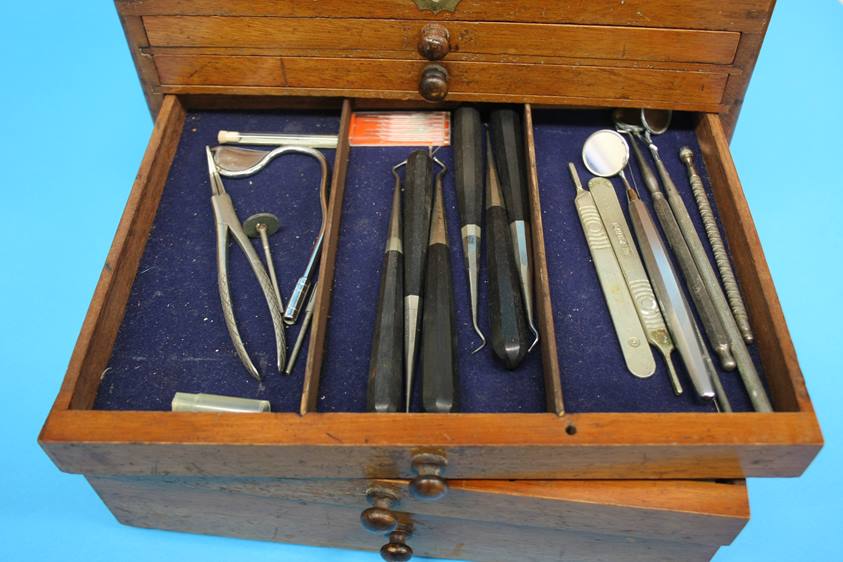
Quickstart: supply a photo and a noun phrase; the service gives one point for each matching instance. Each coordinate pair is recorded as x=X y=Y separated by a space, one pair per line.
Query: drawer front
x=465 y=38
x=467 y=80
x=525 y=521
x=604 y=43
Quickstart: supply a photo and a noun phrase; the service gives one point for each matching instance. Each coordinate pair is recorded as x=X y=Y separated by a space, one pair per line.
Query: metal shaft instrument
x=606 y=154
x=637 y=281
x=468 y=164
x=227 y=222
x=417 y=198
x=439 y=336
x=277 y=139
x=677 y=312
x=507 y=320
x=305 y=325
x=637 y=355
x=712 y=324
x=508 y=147
x=745 y=364
x=721 y=257
x=386 y=359
x=236 y=162
x=264 y=225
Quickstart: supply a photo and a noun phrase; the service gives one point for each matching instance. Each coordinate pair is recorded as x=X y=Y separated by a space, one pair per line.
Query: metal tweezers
x=227 y=221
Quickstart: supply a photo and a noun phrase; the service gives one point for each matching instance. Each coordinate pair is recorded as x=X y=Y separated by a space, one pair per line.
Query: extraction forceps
x=227 y=222
x=236 y=162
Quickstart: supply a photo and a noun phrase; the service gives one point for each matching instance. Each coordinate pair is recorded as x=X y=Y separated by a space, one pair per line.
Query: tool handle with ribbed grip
x=718 y=248
x=637 y=354
x=633 y=269
x=712 y=325
x=677 y=312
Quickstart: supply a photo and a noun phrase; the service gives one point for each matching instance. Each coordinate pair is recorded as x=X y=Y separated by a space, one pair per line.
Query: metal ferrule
x=521 y=248
x=412 y=304
x=294 y=307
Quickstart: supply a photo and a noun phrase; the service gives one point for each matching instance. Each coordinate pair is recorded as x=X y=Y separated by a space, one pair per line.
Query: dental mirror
x=628 y=120
x=605 y=154
x=656 y=121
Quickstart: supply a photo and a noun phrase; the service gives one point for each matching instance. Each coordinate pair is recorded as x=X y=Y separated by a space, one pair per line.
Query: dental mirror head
x=656 y=121
x=627 y=120
x=605 y=153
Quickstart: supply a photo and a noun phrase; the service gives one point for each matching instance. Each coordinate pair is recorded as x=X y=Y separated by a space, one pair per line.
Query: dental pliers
x=227 y=222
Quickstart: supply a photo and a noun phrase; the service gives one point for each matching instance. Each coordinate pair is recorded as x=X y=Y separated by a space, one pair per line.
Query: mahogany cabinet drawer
x=460 y=39
x=479 y=520
x=549 y=422
x=542 y=83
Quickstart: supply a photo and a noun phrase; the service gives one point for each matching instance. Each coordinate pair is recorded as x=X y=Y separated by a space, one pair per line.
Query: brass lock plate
x=437 y=6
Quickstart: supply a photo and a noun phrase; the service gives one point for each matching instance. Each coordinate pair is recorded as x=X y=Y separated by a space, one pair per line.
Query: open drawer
x=108 y=418
x=534 y=521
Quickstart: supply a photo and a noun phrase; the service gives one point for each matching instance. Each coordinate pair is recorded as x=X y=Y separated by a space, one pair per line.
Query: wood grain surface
x=541 y=279
x=736 y=15
x=105 y=313
x=358 y=445
x=162 y=504
x=389 y=77
x=575 y=41
x=702 y=513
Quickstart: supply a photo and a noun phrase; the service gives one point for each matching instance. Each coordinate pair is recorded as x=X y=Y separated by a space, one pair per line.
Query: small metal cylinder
x=187 y=402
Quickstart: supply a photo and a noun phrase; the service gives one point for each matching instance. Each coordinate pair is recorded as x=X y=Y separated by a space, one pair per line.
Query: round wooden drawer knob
x=434 y=42
x=379 y=518
x=429 y=484
x=433 y=85
x=397 y=550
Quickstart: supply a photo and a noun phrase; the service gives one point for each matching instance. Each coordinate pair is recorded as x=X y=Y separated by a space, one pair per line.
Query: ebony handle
x=386 y=362
x=429 y=484
x=506 y=307
x=434 y=41
x=433 y=85
x=397 y=549
x=468 y=164
x=438 y=345
x=508 y=148
x=417 y=197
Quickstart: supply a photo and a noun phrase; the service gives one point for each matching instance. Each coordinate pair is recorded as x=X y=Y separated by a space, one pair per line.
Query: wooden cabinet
x=554 y=477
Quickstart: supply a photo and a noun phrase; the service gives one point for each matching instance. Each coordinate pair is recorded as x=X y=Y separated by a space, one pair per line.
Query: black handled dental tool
x=508 y=147
x=468 y=164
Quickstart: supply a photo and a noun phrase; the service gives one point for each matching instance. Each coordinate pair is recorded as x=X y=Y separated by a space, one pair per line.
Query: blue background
x=76 y=128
